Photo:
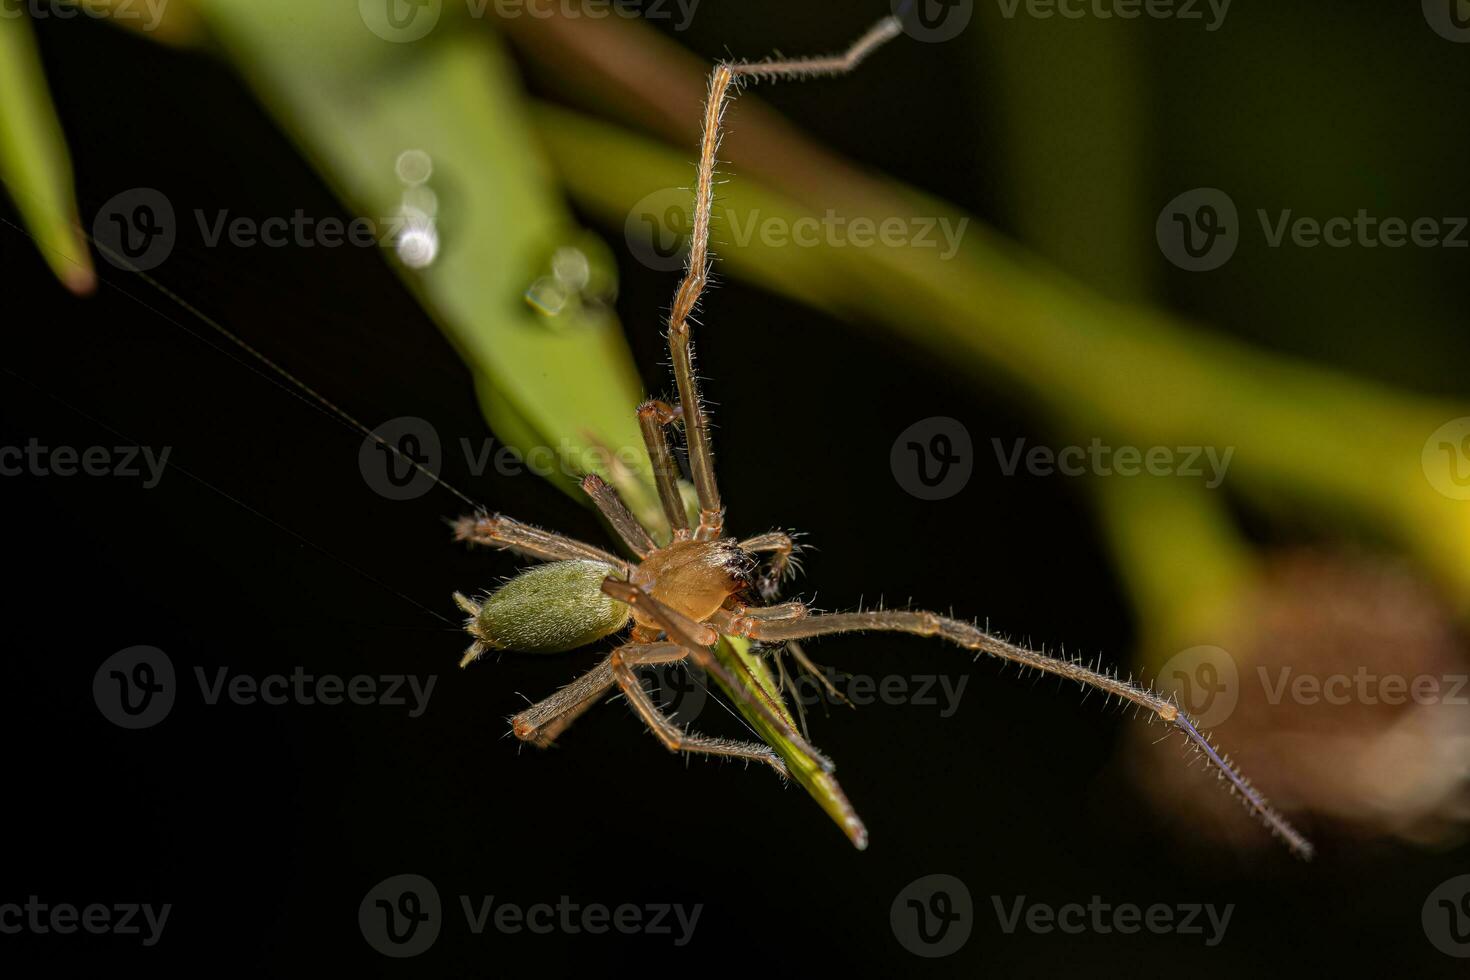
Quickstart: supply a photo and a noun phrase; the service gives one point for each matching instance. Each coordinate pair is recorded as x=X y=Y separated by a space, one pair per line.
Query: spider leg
x=674 y=738
x=697 y=639
x=972 y=638
x=696 y=273
x=805 y=662
x=498 y=531
x=634 y=535
x=696 y=422
x=654 y=417
x=544 y=721
x=734 y=622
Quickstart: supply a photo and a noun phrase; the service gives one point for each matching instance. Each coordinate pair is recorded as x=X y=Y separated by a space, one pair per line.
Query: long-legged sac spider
x=679 y=598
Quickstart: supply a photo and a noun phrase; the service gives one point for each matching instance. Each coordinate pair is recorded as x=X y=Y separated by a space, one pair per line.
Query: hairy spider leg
x=970 y=637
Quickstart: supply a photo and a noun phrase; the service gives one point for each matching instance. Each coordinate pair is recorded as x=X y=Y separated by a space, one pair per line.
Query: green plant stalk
x=823 y=787
x=34 y=163
x=1074 y=144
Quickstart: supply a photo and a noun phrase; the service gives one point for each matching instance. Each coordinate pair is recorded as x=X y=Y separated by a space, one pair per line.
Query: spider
x=679 y=598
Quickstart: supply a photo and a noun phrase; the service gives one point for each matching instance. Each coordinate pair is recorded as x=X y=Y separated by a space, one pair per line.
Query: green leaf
x=34 y=164
x=562 y=379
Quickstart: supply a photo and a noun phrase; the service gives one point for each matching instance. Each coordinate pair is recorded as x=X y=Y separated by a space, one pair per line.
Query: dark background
x=263 y=549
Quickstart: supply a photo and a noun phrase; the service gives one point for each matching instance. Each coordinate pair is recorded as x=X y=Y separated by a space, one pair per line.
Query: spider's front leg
x=508 y=534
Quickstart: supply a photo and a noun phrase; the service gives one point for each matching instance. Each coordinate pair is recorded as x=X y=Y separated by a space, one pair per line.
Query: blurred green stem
x=1311 y=434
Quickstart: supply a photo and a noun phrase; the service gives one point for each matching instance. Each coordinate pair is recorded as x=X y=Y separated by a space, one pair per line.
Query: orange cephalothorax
x=694 y=577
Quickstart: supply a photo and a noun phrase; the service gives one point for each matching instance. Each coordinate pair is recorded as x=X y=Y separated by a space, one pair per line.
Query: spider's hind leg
x=544 y=721
x=696 y=639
